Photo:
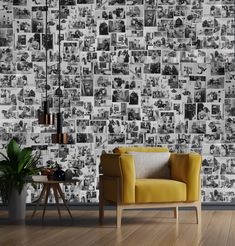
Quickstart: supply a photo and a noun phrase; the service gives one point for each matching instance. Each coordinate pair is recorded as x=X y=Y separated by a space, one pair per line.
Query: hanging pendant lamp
x=59 y=137
x=45 y=117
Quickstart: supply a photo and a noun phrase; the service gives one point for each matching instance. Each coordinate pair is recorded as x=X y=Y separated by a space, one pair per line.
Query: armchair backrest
x=149 y=162
x=124 y=150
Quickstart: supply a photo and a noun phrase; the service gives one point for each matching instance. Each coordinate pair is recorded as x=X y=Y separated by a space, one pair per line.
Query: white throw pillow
x=151 y=164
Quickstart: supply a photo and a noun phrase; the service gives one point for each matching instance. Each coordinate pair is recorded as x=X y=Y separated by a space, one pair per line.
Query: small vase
x=17 y=205
x=49 y=172
x=59 y=175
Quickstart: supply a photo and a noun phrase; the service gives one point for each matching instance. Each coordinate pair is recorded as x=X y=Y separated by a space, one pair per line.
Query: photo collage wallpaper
x=134 y=72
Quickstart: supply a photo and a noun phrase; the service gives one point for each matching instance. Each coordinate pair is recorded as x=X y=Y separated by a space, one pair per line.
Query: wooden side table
x=55 y=186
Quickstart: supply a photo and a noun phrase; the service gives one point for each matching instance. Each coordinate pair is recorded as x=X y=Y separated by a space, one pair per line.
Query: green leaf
x=24 y=158
x=13 y=150
x=6 y=169
x=32 y=164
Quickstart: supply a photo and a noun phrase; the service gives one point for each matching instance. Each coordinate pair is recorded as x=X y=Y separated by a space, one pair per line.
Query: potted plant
x=15 y=166
x=50 y=169
x=53 y=171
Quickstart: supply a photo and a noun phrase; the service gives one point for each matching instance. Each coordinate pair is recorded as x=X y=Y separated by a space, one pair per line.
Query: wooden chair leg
x=119 y=216
x=176 y=213
x=101 y=204
x=198 y=213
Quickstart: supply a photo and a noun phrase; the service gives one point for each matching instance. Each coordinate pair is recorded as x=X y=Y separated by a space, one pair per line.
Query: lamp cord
x=46 y=46
x=59 y=65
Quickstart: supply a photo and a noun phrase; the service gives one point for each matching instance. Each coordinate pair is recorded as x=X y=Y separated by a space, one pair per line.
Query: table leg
x=101 y=202
x=63 y=199
x=39 y=200
x=56 y=200
x=46 y=200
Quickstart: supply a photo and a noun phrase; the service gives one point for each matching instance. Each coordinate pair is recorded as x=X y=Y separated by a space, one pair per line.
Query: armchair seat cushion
x=159 y=190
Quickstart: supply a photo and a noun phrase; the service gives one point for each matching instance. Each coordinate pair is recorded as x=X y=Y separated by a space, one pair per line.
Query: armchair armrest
x=186 y=168
x=122 y=166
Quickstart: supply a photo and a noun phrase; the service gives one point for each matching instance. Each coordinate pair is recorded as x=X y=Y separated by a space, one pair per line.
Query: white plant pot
x=17 y=205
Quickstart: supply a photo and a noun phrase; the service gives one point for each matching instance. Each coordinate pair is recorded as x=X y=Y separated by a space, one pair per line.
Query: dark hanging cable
x=59 y=114
x=45 y=117
x=46 y=46
x=59 y=137
x=59 y=65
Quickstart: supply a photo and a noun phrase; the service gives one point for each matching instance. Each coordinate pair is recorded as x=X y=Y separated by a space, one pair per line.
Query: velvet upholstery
x=183 y=186
x=159 y=190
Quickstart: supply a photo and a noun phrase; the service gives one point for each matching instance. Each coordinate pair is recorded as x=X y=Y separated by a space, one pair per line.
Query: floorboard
x=139 y=227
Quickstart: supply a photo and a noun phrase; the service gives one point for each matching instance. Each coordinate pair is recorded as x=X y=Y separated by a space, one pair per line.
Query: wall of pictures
x=134 y=72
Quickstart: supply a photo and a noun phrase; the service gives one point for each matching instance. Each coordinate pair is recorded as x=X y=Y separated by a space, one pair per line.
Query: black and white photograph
x=80 y=78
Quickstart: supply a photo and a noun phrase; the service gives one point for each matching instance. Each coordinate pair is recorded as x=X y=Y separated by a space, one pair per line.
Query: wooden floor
x=143 y=228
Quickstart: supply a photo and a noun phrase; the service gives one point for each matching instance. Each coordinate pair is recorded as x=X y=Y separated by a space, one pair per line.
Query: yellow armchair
x=119 y=184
